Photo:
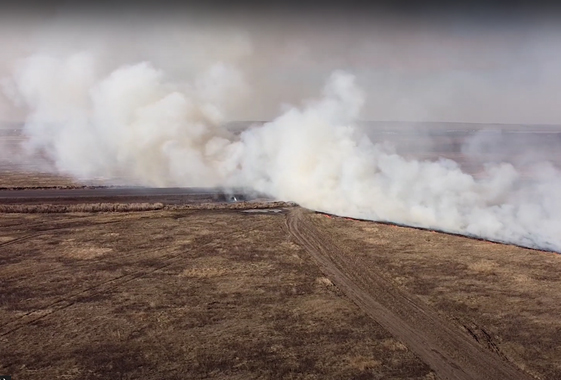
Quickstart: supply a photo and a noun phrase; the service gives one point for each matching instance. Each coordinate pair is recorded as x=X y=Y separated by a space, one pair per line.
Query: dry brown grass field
x=227 y=294
x=507 y=298
x=179 y=294
x=11 y=177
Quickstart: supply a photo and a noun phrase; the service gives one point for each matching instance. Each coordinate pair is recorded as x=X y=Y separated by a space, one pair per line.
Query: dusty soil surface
x=180 y=294
x=506 y=298
x=451 y=352
x=228 y=294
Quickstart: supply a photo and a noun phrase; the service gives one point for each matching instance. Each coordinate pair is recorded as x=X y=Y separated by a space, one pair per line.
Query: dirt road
x=450 y=352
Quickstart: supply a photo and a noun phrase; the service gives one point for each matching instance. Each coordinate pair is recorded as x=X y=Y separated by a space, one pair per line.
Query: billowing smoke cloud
x=135 y=125
x=131 y=125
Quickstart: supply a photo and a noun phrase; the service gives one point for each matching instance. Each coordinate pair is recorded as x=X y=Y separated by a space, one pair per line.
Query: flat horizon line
x=8 y=124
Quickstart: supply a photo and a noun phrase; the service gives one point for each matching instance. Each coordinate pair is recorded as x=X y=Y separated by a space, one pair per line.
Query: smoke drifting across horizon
x=160 y=122
x=476 y=64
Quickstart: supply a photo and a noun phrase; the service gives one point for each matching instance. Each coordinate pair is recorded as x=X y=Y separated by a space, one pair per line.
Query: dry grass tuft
x=86 y=207
x=203 y=272
x=324 y=281
x=88 y=253
x=364 y=363
x=49 y=187
x=128 y=207
x=231 y=206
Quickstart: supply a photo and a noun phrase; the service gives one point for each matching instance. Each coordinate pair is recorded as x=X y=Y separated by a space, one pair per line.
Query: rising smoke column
x=316 y=157
x=131 y=124
x=134 y=125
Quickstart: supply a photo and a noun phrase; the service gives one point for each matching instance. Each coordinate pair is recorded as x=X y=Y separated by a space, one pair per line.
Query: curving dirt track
x=442 y=345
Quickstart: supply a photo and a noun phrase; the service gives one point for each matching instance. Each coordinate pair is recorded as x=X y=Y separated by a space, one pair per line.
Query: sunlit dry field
x=177 y=295
x=228 y=294
x=507 y=298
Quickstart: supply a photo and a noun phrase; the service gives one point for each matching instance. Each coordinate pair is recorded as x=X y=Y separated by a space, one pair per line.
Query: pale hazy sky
x=447 y=66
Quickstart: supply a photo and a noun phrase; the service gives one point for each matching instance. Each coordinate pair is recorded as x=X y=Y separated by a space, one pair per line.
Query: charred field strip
x=120 y=194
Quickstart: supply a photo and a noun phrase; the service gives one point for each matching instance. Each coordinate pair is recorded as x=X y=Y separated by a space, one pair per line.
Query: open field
x=105 y=283
x=227 y=294
x=12 y=177
x=506 y=298
x=177 y=295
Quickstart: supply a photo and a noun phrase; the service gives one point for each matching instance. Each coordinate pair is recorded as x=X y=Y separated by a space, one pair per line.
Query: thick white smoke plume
x=134 y=125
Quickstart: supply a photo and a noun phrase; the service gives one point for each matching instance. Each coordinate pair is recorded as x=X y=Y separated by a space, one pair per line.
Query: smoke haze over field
x=145 y=99
x=420 y=65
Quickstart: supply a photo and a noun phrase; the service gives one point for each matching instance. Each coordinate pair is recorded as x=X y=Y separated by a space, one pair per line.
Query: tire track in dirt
x=50 y=228
x=18 y=239
x=85 y=264
x=72 y=298
x=450 y=352
x=82 y=221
